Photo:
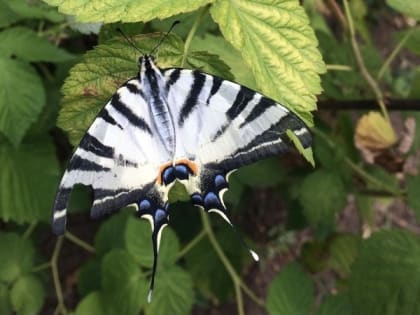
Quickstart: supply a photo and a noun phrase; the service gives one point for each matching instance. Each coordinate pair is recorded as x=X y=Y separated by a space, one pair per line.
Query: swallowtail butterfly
x=168 y=125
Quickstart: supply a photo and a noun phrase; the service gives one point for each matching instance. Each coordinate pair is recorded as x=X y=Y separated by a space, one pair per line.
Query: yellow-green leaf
x=277 y=42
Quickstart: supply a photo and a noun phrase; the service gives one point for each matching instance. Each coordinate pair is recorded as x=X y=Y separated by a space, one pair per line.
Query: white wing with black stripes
x=173 y=125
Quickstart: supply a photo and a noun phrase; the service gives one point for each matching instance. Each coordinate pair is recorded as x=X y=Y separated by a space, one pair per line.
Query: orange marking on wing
x=191 y=165
x=161 y=169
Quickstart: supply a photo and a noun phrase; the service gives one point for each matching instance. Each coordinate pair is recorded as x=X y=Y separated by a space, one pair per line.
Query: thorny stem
x=237 y=281
x=393 y=54
x=61 y=307
x=191 y=244
x=73 y=238
x=191 y=33
x=360 y=63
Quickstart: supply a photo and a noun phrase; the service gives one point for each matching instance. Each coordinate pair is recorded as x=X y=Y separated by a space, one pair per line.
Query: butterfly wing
x=119 y=157
x=224 y=126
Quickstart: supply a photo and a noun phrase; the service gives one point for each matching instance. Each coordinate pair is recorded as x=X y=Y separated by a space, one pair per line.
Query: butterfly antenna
x=164 y=36
x=130 y=41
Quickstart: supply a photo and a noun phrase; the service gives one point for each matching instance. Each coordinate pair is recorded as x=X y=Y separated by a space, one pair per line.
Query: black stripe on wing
x=104 y=114
x=273 y=141
x=78 y=163
x=128 y=113
x=91 y=144
x=242 y=99
x=192 y=99
x=259 y=109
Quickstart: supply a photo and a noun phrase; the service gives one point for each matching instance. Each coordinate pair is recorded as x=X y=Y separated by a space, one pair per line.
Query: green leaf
x=173 y=293
x=407 y=7
x=206 y=269
x=335 y=305
x=111 y=233
x=16 y=256
x=266 y=173
x=291 y=292
x=27 y=295
x=28 y=179
x=22 y=98
x=102 y=70
x=127 y=11
x=413 y=194
x=124 y=286
x=25 y=44
x=34 y=9
x=343 y=250
x=387 y=270
x=138 y=242
x=209 y=63
x=319 y=206
x=277 y=42
x=5 y=305
x=93 y=304
x=7 y=15
x=219 y=46
x=89 y=277
x=413 y=42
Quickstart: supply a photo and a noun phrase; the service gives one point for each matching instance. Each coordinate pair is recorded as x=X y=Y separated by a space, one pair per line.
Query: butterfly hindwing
x=119 y=157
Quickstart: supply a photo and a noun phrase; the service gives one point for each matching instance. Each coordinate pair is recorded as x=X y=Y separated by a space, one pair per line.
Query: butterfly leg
x=152 y=210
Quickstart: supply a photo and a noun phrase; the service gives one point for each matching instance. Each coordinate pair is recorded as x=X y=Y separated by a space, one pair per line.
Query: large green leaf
x=408 y=7
x=124 y=286
x=279 y=45
x=125 y=11
x=290 y=293
x=138 y=241
x=28 y=181
x=16 y=256
x=5 y=304
x=7 y=15
x=343 y=250
x=27 y=295
x=322 y=195
x=335 y=305
x=25 y=44
x=34 y=9
x=385 y=278
x=173 y=293
x=93 y=304
x=22 y=98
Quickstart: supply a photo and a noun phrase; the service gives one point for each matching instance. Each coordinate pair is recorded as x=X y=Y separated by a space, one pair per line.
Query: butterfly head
x=147 y=58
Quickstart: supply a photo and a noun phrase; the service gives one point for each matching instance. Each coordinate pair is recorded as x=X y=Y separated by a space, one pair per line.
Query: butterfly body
x=168 y=125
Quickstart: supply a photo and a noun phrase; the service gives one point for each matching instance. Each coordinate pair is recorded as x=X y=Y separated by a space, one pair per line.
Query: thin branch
x=191 y=244
x=74 y=239
x=191 y=33
x=239 y=300
x=225 y=261
x=393 y=54
x=41 y=267
x=360 y=63
x=61 y=307
x=30 y=229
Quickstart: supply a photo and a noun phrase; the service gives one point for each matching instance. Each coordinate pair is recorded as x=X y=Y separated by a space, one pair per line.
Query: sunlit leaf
x=408 y=7
x=127 y=11
x=93 y=304
x=279 y=45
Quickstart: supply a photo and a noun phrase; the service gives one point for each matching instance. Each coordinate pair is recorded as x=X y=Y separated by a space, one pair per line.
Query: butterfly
x=169 y=125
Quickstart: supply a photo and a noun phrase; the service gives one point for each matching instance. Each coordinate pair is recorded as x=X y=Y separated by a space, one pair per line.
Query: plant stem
x=394 y=53
x=191 y=244
x=29 y=230
x=239 y=300
x=191 y=33
x=333 y=67
x=41 y=267
x=74 y=239
x=360 y=63
x=61 y=307
x=225 y=261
